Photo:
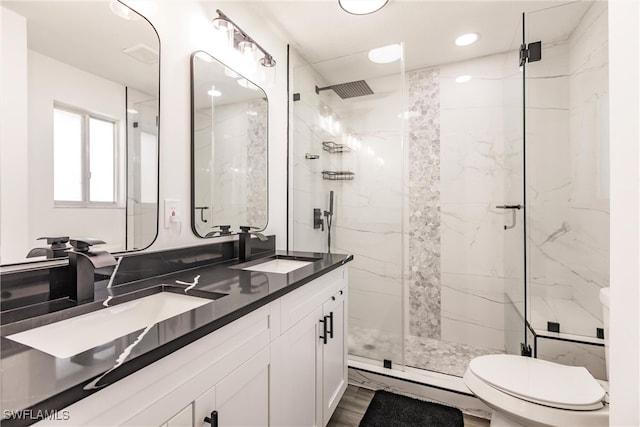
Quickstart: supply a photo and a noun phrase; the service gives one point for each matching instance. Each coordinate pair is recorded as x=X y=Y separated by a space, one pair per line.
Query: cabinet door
x=241 y=399
x=295 y=397
x=334 y=355
x=183 y=419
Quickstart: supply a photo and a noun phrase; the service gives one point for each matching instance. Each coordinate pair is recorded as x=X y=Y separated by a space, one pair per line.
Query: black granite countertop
x=35 y=381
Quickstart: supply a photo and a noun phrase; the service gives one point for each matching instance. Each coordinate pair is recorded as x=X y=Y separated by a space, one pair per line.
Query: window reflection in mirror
x=229 y=149
x=80 y=148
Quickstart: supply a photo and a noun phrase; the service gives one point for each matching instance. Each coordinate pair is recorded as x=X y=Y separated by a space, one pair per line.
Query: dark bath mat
x=392 y=410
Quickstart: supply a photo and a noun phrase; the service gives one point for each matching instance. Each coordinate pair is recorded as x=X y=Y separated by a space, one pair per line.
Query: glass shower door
x=567 y=191
x=346 y=157
x=513 y=209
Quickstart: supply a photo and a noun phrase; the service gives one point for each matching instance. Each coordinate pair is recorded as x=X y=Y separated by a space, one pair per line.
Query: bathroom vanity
x=263 y=344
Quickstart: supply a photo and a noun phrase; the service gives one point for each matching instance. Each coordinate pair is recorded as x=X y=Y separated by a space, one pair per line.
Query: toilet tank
x=604 y=300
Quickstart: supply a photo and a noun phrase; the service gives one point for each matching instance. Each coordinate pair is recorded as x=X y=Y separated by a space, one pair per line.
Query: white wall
x=624 y=92
x=52 y=81
x=13 y=136
x=184 y=27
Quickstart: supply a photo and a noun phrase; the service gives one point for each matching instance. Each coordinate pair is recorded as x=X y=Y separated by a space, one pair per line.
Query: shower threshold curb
x=425 y=385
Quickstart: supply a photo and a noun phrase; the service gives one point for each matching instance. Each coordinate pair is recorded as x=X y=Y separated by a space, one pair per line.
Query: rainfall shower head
x=349 y=90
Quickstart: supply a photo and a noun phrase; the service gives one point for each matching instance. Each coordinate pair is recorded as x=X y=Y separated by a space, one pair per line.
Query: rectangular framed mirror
x=80 y=152
x=229 y=149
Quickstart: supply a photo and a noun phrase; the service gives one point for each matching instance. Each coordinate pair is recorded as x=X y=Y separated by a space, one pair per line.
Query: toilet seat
x=539 y=381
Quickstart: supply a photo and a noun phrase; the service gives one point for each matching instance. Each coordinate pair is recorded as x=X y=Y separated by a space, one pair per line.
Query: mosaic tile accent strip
x=424 y=204
x=257 y=164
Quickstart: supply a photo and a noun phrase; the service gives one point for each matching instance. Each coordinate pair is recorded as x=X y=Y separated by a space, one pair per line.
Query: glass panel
x=351 y=148
x=567 y=169
x=513 y=237
x=67 y=156
x=101 y=160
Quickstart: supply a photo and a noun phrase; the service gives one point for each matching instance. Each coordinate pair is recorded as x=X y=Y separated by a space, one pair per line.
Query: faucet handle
x=247 y=228
x=84 y=243
x=56 y=242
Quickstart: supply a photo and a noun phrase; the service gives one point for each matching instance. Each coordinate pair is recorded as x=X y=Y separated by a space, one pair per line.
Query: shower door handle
x=512 y=208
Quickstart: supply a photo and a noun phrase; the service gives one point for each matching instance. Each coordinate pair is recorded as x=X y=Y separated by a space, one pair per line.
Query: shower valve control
x=317 y=219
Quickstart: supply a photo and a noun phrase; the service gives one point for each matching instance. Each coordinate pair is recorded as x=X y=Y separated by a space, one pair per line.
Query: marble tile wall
x=567 y=148
x=471 y=185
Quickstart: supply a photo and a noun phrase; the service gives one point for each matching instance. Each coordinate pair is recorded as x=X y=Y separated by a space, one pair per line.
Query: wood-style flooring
x=354 y=404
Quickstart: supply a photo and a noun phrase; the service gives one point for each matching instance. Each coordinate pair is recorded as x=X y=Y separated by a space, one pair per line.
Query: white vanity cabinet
x=271 y=367
x=309 y=359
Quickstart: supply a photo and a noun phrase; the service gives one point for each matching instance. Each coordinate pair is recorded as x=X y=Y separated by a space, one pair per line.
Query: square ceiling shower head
x=349 y=90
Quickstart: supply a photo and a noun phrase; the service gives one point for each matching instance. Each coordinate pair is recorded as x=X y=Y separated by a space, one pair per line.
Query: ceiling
x=322 y=32
x=94 y=43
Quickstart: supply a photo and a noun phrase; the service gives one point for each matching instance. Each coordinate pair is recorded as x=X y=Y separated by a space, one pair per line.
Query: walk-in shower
x=469 y=205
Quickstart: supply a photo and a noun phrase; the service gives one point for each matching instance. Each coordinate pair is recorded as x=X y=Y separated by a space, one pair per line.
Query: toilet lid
x=540 y=381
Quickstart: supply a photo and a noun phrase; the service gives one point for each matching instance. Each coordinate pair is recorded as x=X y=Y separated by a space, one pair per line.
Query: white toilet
x=523 y=391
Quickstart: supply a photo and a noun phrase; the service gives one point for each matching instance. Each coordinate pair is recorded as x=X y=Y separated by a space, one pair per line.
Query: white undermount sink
x=73 y=336
x=282 y=266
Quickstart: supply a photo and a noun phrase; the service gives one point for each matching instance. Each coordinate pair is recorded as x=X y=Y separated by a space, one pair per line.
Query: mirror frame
x=45 y=263
x=193 y=145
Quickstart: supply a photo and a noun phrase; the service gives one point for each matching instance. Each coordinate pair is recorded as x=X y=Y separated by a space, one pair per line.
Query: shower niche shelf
x=332 y=147
x=338 y=175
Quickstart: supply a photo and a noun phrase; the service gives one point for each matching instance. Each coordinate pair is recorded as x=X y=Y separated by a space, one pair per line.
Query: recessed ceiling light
x=467 y=39
x=463 y=79
x=362 y=7
x=385 y=54
x=132 y=111
x=214 y=92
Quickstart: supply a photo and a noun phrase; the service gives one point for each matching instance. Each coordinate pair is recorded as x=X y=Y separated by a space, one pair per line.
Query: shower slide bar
x=513 y=214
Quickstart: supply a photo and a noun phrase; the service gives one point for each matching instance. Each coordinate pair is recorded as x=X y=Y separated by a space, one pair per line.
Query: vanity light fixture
x=240 y=40
x=362 y=7
x=467 y=39
x=123 y=11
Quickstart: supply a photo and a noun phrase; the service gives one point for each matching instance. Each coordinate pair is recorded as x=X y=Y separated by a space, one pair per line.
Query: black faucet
x=244 y=242
x=58 y=248
x=225 y=230
x=83 y=263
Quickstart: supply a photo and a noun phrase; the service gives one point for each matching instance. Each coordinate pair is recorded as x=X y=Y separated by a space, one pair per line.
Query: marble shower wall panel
x=573 y=354
x=567 y=180
x=424 y=203
x=257 y=160
x=472 y=164
x=473 y=311
x=589 y=113
x=548 y=178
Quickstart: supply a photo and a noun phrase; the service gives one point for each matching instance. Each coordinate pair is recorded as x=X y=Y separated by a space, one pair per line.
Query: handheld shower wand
x=329 y=215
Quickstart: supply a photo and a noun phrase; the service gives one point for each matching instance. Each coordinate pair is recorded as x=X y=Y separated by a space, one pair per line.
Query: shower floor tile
x=423 y=353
